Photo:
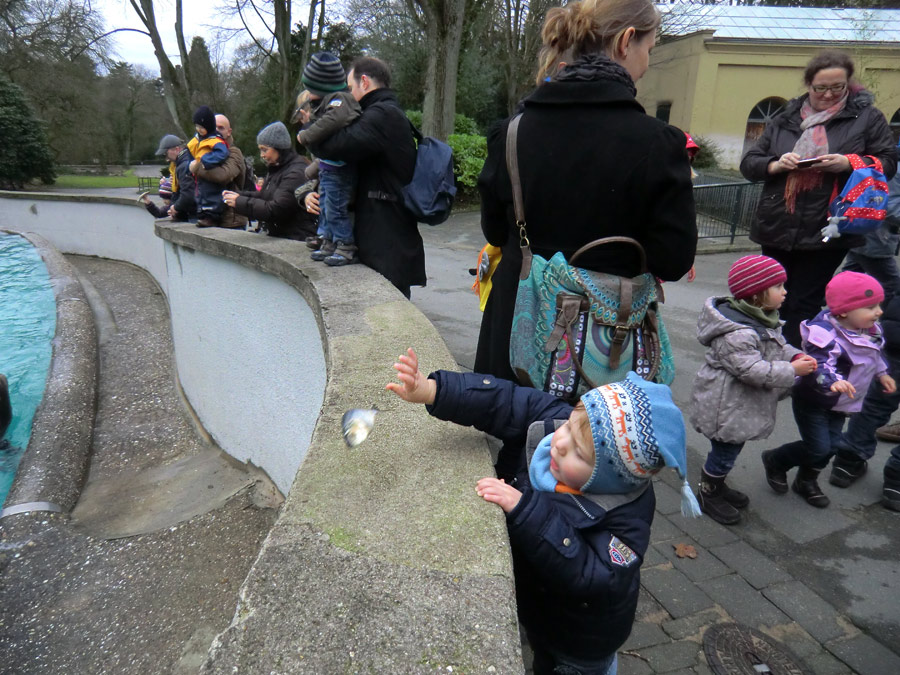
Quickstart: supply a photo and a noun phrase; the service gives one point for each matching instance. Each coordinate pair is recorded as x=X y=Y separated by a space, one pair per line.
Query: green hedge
x=461 y=123
x=469 y=153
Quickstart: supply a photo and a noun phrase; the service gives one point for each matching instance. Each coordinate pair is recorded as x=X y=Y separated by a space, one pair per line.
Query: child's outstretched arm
x=413 y=386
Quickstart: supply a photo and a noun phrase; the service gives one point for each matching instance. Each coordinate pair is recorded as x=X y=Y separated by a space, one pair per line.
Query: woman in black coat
x=275 y=206
x=593 y=164
x=833 y=119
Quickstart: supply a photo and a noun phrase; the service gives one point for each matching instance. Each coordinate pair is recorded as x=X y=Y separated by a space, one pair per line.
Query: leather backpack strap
x=512 y=167
x=613 y=240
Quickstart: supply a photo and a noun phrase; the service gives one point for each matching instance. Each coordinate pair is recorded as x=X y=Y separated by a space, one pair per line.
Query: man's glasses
x=834 y=88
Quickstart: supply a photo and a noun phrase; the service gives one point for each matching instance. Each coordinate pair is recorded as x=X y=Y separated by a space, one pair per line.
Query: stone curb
x=53 y=467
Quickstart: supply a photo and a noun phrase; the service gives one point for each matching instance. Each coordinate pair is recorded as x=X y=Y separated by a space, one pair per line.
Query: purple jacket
x=842 y=354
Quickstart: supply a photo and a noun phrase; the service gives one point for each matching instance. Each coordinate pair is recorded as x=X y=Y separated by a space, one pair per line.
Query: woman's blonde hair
x=591 y=26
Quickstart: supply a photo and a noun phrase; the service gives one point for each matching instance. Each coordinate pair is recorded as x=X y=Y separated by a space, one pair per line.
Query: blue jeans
x=721 y=457
x=820 y=433
x=336 y=185
x=859 y=440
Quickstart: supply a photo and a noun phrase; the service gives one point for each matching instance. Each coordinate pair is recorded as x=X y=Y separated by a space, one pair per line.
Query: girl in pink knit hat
x=749 y=366
x=846 y=341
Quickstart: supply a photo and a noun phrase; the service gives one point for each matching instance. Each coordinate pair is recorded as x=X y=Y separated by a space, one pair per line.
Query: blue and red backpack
x=861 y=205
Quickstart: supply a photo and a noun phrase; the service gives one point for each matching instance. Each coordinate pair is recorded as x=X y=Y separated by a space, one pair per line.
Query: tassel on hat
x=637 y=430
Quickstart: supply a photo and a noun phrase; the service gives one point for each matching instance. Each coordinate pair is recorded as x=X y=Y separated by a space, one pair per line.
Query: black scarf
x=596 y=66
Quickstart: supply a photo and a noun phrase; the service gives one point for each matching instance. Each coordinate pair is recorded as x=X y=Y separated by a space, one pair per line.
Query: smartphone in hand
x=806 y=163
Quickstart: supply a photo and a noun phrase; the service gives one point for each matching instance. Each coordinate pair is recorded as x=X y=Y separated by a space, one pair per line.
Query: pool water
x=27 y=327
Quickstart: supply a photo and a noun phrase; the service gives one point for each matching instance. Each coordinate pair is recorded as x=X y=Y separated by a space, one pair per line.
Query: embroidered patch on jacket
x=336 y=103
x=620 y=554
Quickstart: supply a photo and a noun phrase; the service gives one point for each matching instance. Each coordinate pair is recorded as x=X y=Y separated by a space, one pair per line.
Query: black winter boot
x=713 y=503
x=776 y=477
x=846 y=469
x=735 y=497
x=807 y=486
x=891 y=493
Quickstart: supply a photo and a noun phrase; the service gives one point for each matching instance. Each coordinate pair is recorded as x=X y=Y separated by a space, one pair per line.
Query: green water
x=27 y=327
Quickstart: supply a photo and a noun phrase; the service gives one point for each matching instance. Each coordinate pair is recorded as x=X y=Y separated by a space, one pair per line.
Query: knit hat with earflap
x=206 y=118
x=753 y=274
x=637 y=430
x=851 y=290
x=275 y=136
x=324 y=74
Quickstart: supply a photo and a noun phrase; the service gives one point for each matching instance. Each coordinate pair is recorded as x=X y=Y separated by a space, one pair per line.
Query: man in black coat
x=380 y=144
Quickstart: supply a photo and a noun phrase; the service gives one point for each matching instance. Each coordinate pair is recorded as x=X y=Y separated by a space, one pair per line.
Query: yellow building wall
x=713 y=85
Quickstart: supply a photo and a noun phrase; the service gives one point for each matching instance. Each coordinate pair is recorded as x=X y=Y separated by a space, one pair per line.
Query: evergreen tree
x=24 y=153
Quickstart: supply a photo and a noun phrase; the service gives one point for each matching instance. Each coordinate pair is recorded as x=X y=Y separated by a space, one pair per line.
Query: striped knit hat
x=324 y=74
x=753 y=274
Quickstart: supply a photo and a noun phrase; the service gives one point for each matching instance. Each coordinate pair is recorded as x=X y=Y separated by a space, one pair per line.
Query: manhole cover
x=733 y=649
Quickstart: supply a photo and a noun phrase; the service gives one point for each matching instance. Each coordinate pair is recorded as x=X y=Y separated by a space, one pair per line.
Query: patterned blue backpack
x=861 y=206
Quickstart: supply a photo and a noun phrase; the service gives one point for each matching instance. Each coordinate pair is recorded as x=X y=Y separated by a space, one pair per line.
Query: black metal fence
x=726 y=209
x=148 y=183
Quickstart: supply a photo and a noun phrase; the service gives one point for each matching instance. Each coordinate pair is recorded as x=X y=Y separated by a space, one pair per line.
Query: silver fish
x=356 y=425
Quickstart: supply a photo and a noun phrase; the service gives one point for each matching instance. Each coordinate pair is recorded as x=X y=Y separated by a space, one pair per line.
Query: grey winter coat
x=747 y=370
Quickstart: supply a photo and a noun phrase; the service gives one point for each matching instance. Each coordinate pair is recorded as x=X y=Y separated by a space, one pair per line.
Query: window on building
x=663 y=110
x=760 y=115
x=895 y=126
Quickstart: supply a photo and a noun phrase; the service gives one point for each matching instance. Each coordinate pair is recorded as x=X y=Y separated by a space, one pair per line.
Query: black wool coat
x=860 y=129
x=274 y=205
x=381 y=147
x=593 y=164
x=184 y=199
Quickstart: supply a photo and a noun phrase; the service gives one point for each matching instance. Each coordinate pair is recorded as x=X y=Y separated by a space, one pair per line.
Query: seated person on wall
x=579 y=519
x=274 y=205
x=182 y=206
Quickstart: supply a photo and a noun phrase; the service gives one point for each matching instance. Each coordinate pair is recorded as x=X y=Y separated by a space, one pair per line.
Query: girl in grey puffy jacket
x=749 y=366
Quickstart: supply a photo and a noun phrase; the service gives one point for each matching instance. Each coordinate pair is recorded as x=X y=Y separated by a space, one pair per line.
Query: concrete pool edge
x=52 y=469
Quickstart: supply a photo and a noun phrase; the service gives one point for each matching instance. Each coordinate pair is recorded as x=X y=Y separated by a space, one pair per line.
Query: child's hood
x=718 y=318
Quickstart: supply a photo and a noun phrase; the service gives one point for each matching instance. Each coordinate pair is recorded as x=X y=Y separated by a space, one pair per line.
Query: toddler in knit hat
x=579 y=516
x=209 y=149
x=748 y=367
x=333 y=107
x=846 y=341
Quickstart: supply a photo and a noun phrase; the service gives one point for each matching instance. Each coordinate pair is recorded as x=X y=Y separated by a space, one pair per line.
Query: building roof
x=783 y=23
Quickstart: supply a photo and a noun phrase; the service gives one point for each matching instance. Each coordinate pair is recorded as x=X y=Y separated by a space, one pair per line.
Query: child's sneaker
x=344 y=254
x=325 y=250
x=846 y=469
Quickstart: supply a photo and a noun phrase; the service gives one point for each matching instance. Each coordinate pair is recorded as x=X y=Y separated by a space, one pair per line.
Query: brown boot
x=713 y=502
x=889 y=432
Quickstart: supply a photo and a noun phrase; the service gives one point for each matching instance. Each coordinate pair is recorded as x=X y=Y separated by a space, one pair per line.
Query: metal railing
x=726 y=209
x=148 y=183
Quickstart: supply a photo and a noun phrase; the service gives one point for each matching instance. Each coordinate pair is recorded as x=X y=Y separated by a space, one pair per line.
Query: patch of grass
x=73 y=181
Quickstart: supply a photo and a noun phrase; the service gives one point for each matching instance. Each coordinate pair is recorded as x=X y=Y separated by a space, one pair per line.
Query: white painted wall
x=247 y=346
x=103 y=229
x=249 y=357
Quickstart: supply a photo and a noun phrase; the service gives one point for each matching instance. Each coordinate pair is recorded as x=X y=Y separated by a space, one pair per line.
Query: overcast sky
x=200 y=17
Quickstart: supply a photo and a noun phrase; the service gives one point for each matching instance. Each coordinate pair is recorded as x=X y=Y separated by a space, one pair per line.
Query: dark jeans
x=546 y=663
x=336 y=185
x=820 y=433
x=859 y=440
x=209 y=200
x=883 y=269
x=808 y=272
x=721 y=457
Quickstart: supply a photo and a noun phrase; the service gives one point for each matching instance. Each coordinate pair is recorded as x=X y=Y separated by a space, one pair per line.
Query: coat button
x=486 y=381
x=567 y=542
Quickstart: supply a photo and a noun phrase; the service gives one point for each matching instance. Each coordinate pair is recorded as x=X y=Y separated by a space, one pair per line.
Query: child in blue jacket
x=209 y=148
x=579 y=521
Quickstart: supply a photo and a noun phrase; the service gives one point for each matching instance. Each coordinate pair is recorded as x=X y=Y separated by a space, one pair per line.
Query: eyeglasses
x=834 y=88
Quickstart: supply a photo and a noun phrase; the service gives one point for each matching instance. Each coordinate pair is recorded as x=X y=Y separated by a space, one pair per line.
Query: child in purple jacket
x=846 y=341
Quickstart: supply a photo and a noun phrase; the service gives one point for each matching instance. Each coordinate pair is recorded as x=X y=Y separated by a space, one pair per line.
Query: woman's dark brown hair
x=830 y=58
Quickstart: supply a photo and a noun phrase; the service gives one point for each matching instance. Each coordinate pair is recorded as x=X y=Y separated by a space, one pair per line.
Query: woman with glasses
x=834 y=118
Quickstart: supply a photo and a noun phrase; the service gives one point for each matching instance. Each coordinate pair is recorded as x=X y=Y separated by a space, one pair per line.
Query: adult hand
x=498 y=492
x=194 y=166
x=303 y=116
x=413 y=387
x=833 y=163
x=171 y=212
x=844 y=387
x=888 y=384
x=229 y=197
x=312 y=202
x=787 y=162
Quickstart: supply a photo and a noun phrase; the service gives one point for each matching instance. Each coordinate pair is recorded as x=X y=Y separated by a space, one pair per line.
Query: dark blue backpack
x=429 y=196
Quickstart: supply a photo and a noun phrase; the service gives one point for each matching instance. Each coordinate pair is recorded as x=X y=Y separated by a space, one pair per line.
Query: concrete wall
x=714 y=84
x=383 y=559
